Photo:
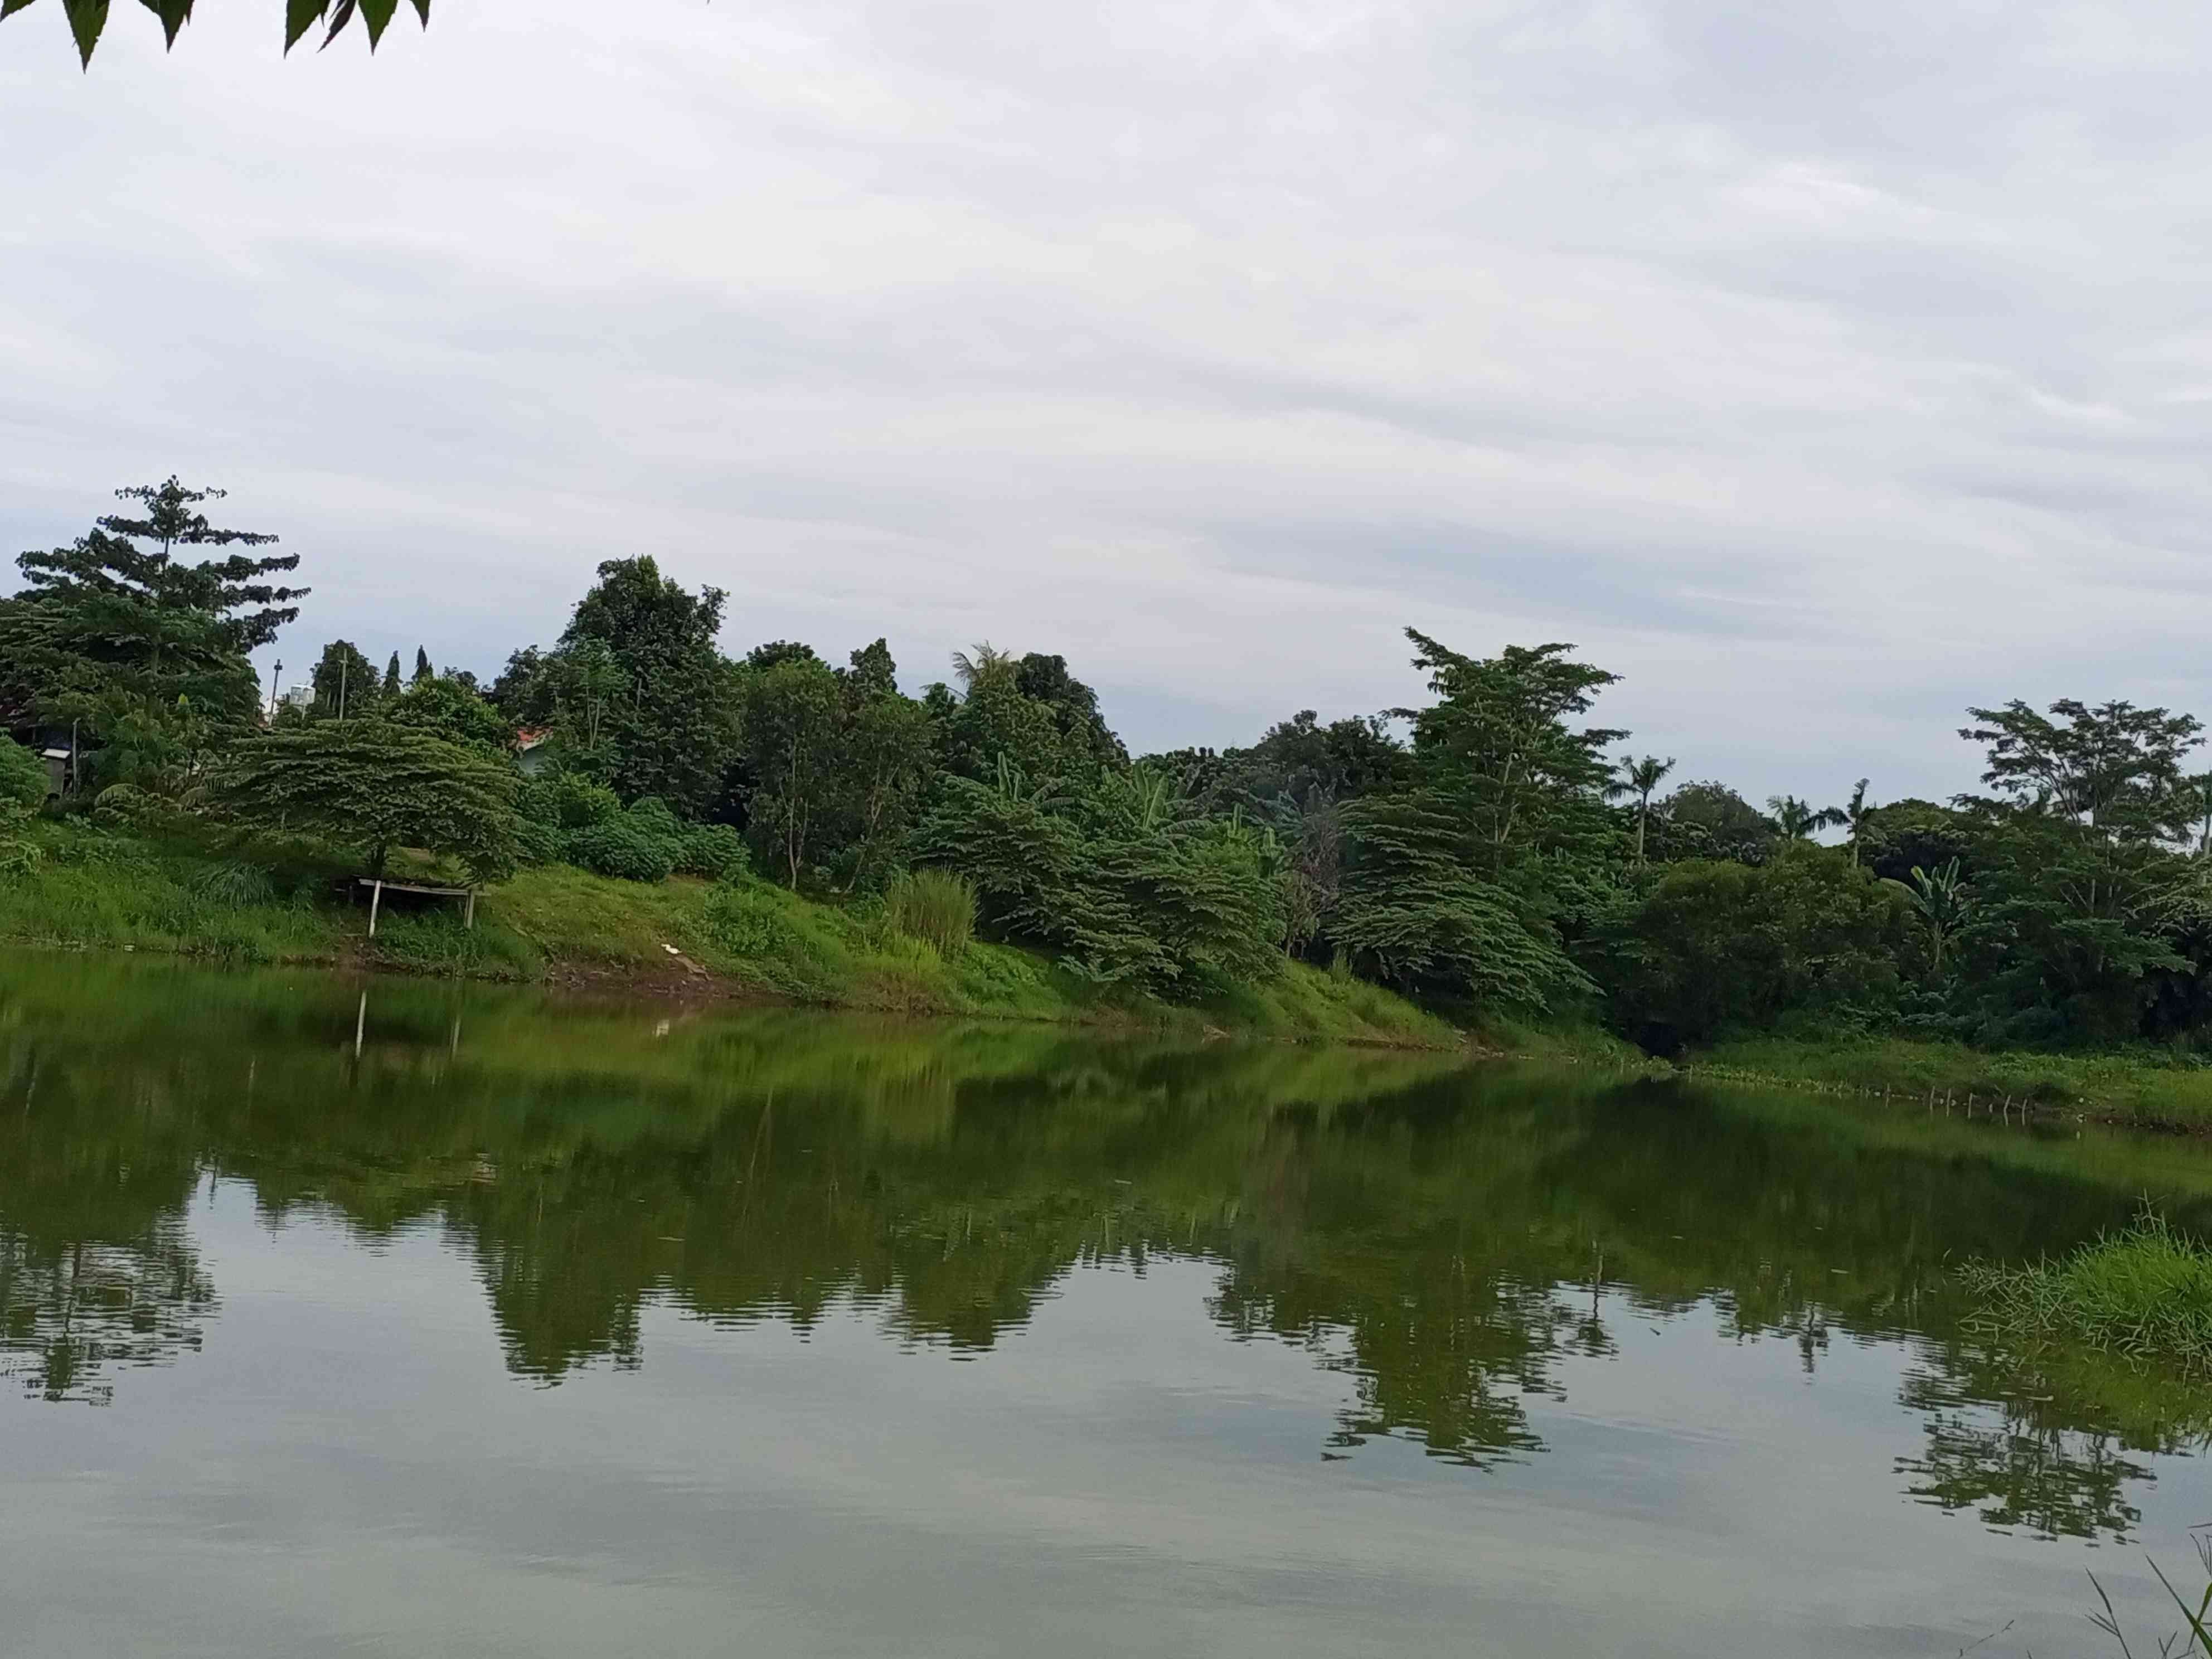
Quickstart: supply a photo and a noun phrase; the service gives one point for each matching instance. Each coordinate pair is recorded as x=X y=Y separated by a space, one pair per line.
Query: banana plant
x=1943 y=901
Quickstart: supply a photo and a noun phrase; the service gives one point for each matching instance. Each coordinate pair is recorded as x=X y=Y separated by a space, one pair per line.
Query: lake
x=412 y=1319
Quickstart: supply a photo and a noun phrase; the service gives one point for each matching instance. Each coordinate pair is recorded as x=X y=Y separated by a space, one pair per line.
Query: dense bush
x=23 y=778
x=565 y=800
x=1131 y=890
x=627 y=846
x=713 y=850
x=1721 y=947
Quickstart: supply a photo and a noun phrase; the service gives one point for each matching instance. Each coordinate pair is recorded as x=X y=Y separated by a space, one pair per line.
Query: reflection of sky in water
x=349 y=1464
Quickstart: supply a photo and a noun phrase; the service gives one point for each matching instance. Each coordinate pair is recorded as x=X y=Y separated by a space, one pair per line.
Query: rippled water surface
x=418 y=1320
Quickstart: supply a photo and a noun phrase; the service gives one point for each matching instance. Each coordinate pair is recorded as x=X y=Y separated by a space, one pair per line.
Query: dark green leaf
x=173 y=14
x=87 y=19
x=377 y=16
x=300 y=16
x=422 y=11
x=339 y=19
x=9 y=8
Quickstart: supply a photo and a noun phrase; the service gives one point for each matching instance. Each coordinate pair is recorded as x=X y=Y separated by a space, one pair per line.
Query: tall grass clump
x=2143 y=1294
x=935 y=906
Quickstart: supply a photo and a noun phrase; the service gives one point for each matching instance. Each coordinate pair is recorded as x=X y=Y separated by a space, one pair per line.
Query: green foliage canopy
x=372 y=785
x=22 y=779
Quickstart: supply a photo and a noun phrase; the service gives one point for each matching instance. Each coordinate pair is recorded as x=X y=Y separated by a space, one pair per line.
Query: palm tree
x=1857 y=814
x=987 y=666
x=1797 y=819
x=1640 y=778
x=1943 y=901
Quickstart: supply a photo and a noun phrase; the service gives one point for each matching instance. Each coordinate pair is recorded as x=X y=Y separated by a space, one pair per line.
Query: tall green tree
x=424 y=671
x=888 y=760
x=790 y=738
x=345 y=682
x=1640 y=778
x=1499 y=744
x=2113 y=772
x=1858 y=817
x=393 y=686
x=671 y=730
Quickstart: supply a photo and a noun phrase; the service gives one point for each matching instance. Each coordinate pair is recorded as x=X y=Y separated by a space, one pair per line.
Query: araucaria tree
x=118 y=634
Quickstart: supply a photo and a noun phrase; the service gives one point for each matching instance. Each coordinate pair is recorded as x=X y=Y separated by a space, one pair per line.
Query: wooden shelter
x=377 y=887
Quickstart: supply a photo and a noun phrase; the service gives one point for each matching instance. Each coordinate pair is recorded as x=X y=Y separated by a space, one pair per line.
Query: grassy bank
x=2147 y=1088
x=82 y=888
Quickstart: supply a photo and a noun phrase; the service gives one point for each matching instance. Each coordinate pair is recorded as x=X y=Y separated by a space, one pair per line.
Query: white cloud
x=1821 y=373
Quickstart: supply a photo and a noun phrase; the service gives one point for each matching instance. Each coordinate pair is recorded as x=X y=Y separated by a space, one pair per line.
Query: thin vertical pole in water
x=375 y=901
x=359 y=1024
x=471 y=922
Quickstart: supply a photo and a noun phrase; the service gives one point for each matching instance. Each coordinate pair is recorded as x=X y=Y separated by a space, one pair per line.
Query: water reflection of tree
x=97 y=1268
x=1449 y=1241
x=2044 y=1441
x=71 y=1315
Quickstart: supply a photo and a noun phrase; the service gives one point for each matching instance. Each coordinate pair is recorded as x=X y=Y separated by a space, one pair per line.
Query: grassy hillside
x=74 y=886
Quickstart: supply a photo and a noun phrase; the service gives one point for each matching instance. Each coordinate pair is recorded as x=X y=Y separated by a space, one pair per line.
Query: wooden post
x=360 y=1024
x=375 y=900
x=471 y=922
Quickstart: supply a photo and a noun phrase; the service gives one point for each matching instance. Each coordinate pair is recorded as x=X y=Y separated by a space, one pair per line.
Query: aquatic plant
x=2143 y=1293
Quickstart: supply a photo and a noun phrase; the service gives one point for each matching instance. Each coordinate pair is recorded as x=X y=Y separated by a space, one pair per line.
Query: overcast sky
x=1821 y=369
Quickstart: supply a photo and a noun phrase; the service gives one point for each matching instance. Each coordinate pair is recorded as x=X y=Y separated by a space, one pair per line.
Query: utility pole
x=277 y=685
x=345 y=664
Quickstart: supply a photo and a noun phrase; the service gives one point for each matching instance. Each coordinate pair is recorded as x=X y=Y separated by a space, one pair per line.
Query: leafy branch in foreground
x=88 y=18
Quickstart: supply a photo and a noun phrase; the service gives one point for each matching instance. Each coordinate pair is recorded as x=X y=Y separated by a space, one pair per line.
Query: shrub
x=539 y=842
x=565 y=800
x=22 y=779
x=934 y=905
x=1717 y=947
x=625 y=847
x=1127 y=887
x=713 y=850
x=233 y=884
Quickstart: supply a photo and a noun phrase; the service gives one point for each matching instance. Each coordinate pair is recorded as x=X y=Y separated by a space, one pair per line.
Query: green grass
x=74 y=885
x=2144 y=1087
x=2143 y=1295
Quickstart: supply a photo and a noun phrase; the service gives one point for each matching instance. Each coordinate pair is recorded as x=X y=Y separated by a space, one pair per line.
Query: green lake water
x=415 y=1320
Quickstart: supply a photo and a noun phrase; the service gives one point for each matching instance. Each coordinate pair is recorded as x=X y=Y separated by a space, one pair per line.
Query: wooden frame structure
x=377 y=887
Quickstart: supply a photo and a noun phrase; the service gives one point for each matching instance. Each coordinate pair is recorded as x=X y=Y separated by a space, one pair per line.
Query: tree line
x=1489 y=847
